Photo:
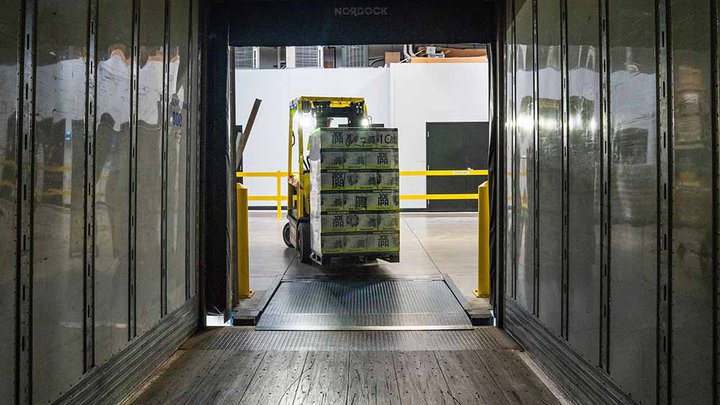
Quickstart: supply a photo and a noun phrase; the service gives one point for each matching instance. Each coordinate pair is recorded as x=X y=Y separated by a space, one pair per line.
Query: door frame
x=224 y=23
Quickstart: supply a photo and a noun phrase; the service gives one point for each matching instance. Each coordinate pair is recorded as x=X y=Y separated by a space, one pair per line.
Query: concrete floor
x=430 y=244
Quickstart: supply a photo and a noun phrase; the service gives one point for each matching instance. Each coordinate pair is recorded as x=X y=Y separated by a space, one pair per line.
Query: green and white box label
x=333 y=202
x=383 y=242
x=382 y=159
x=333 y=244
x=349 y=222
x=345 y=180
x=389 y=180
x=388 y=222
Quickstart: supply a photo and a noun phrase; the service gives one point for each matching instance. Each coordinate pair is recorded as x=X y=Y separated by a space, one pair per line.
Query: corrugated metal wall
x=611 y=154
x=98 y=152
x=9 y=68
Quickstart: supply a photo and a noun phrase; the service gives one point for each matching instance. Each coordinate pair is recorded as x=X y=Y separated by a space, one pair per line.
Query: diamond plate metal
x=483 y=338
x=390 y=304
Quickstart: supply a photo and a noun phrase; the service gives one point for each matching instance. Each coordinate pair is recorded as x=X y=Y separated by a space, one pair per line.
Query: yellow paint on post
x=483 y=289
x=279 y=195
x=243 y=243
x=427 y=197
x=442 y=173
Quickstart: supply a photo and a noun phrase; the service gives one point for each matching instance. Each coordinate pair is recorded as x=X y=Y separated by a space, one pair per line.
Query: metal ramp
x=331 y=304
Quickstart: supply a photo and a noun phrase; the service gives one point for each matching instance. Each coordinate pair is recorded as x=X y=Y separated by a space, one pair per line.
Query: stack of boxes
x=354 y=192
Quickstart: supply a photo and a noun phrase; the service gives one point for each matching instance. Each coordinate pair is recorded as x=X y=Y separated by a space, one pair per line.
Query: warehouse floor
x=430 y=244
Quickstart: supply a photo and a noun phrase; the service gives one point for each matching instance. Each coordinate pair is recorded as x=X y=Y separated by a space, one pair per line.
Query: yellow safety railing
x=279 y=198
x=483 y=196
x=243 y=243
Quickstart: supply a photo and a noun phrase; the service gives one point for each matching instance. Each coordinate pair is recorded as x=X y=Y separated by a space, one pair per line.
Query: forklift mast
x=308 y=114
x=320 y=111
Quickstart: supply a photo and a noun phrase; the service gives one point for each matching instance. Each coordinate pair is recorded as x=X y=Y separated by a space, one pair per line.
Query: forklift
x=306 y=115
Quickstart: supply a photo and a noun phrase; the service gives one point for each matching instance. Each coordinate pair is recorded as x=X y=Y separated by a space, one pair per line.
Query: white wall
x=436 y=92
x=405 y=96
x=267 y=147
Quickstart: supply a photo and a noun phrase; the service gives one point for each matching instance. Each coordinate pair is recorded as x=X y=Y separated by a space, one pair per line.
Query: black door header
x=360 y=22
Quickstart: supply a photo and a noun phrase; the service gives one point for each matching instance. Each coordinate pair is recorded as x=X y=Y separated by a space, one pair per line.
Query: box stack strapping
x=354 y=192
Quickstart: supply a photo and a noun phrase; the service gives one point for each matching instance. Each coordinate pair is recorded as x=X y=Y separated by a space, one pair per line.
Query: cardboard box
x=354 y=189
x=373 y=201
x=332 y=202
x=387 y=180
x=356 y=160
x=388 y=159
x=344 y=222
x=383 y=242
x=392 y=57
x=356 y=243
x=383 y=201
x=332 y=244
x=388 y=221
x=467 y=59
x=333 y=160
x=382 y=159
x=378 y=242
x=357 y=138
x=347 y=180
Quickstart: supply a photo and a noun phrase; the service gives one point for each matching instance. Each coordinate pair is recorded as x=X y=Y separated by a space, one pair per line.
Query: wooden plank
x=420 y=379
x=517 y=382
x=324 y=379
x=460 y=53
x=229 y=378
x=276 y=379
x=468 y=379
x=372 y=379
x=178 y=377
x=468 y=59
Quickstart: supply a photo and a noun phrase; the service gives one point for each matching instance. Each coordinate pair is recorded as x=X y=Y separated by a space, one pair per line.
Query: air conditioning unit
x=247 y=57
x=355 y=56
x=304 y=57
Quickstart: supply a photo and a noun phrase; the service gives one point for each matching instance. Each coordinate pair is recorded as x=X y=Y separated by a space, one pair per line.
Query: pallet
x=326 y=260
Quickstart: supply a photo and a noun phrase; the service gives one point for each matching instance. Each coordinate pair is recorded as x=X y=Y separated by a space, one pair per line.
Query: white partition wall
x=405 y=96
x=267 y=147
x=440 y=92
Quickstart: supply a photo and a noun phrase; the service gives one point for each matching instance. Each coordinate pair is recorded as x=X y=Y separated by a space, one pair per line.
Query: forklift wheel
x=304 y=242
x=286 y=235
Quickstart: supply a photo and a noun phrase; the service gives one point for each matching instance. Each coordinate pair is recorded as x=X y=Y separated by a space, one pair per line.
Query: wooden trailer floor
x=245 y=366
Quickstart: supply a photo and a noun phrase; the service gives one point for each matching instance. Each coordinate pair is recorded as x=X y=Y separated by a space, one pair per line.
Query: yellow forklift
x=306 y=115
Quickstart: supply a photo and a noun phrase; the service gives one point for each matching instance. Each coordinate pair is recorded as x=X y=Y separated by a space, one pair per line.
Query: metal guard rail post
x=243 y=243
x=483 y=289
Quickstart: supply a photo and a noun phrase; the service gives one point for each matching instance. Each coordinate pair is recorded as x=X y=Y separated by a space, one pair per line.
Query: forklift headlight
x=308 y=122
x=365 y=122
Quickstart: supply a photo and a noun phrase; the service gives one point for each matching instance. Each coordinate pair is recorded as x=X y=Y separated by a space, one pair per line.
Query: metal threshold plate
x=351 y=304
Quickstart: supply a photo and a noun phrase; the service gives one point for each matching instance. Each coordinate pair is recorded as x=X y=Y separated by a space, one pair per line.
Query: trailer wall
x=610 y=195
x=98 y=179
